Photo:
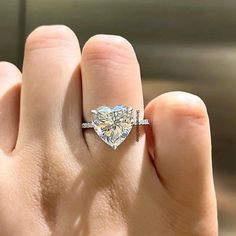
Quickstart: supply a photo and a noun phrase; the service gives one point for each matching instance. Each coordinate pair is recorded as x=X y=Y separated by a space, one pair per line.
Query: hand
x=57 y=179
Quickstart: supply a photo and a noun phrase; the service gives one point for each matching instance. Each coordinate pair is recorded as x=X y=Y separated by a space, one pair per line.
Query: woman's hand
x=57 y=179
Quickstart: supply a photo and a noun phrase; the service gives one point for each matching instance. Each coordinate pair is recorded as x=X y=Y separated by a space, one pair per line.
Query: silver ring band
x=90 y=125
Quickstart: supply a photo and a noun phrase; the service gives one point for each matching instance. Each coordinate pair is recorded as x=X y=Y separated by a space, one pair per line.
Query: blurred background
x=185 y=45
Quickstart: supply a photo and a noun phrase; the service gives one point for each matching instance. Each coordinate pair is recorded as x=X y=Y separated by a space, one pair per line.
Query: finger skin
x=111 y=76
x=182 y=150
x=51 y=91
x=10 y=82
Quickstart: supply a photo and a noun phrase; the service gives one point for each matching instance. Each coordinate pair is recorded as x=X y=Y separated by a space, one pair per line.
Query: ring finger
x=110 y=76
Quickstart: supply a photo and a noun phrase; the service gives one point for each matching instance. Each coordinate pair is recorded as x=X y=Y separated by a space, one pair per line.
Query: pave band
x=90 y=125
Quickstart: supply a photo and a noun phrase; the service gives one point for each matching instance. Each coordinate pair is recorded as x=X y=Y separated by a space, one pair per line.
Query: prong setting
x=113 y=125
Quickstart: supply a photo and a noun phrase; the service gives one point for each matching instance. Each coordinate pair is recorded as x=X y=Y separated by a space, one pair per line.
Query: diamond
x=113 y=125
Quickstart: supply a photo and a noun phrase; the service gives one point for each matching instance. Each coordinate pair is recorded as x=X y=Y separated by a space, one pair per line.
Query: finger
x=10 y=81
x=110 y=73
x=111 y=76
x=182 y=145
x=51 y=97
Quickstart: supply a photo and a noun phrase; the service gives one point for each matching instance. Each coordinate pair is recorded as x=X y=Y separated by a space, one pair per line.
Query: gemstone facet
x=113 y=125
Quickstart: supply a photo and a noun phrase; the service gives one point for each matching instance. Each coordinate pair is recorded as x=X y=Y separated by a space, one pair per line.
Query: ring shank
x=89 y=125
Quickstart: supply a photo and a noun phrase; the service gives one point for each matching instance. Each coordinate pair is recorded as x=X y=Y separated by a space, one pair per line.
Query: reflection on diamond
x=113 y=125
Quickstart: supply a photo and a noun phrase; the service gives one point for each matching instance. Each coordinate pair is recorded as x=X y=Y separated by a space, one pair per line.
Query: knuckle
x=9 y=69
x=4 y=65
x=183 y=104
x=50 y=36
x=179 y=105
x=108 y=47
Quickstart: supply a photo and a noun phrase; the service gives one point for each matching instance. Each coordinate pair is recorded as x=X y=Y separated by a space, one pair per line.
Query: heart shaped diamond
x=113 y=125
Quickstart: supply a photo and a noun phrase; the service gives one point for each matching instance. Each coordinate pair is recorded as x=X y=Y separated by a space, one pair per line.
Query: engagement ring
x=113 y=125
